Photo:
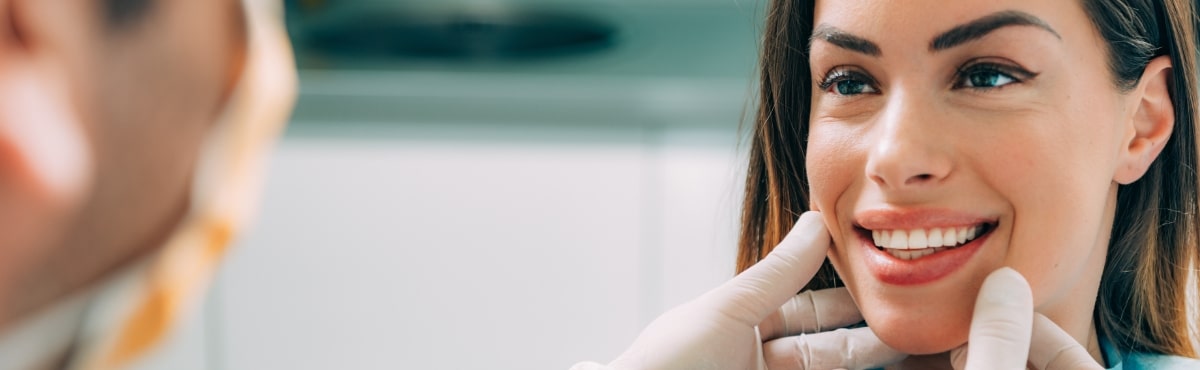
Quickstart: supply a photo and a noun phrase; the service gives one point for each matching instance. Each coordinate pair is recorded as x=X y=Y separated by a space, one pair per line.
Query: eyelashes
x=981 y=74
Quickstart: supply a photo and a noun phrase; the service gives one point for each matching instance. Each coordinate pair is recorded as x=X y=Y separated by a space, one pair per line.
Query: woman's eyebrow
x=844 y=40
x=981 y=27
x=956 y=36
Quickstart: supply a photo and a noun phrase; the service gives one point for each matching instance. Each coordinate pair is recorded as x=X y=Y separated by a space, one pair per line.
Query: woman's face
x=980 y=134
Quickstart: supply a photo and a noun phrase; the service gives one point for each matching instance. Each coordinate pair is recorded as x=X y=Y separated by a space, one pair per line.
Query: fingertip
x=810 y=215
x=958 y=357
x=1008 y=273
x=809 y=223
x=1006 y=286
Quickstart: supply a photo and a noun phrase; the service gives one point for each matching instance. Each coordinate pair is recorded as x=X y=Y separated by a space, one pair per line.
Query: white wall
x=409 y=246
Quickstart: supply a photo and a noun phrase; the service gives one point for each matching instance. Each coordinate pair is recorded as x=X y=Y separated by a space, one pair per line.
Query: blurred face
x=152 y=94
x=949 y=139
x=122 y=112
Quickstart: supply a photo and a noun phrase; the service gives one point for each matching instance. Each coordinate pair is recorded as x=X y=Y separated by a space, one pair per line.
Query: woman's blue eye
x=986 y=79
x=848 y=83
x=851 y=87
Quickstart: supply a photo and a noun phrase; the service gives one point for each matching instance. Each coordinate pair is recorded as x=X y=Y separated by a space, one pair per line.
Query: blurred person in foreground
x=131 y=133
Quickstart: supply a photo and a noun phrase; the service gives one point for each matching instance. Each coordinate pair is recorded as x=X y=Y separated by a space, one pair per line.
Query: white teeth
x=917 y=240
x=924 y=239
x=912 y=254
x=899 y=240
x=935 y=237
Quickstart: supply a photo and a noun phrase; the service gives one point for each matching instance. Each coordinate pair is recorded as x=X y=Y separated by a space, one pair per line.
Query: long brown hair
x=1143 y=298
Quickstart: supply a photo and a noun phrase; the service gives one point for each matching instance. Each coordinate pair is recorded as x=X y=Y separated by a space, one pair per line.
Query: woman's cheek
x=830 y=165
x=831 y=172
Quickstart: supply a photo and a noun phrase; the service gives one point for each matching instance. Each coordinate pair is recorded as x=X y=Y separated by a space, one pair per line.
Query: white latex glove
x=718 y=329
x=1005 y=332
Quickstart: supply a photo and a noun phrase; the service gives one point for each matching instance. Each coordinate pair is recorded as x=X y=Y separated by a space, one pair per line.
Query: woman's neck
x=1075 y=312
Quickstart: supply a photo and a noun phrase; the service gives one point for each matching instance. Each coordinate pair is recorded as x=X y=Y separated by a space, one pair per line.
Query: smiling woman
x=942 y=141
x=987 y=184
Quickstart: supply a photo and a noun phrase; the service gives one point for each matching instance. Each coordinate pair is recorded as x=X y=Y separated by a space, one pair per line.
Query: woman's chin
x=920 y=334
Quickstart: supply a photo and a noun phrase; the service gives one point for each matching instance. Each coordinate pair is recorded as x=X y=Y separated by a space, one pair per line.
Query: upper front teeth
x=921 y=238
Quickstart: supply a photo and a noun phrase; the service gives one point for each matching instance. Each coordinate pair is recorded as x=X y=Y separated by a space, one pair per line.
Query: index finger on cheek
x=1002 y=322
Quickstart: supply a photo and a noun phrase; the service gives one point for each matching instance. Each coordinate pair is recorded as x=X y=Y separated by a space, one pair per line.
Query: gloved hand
x=718 y=330
x=1005 y=326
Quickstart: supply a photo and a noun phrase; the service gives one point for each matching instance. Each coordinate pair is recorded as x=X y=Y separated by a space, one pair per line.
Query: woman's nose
x=911 y=149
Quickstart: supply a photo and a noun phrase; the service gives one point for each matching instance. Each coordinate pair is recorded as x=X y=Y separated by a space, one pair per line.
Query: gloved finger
x=810 y=312
x=761 y=289
x=1054 y=349
x=857 y=348
x=958 y=357
x=1001 y=325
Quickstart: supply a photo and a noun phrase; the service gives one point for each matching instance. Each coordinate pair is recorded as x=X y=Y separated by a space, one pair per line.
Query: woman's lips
x=921 y=270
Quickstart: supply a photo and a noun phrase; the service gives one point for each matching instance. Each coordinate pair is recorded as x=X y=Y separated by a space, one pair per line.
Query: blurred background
x=487 y=184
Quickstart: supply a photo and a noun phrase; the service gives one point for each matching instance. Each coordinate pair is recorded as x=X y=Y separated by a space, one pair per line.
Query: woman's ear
x=1152 y=122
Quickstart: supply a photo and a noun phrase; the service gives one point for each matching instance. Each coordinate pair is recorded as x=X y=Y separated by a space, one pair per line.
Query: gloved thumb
x=764 y=287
